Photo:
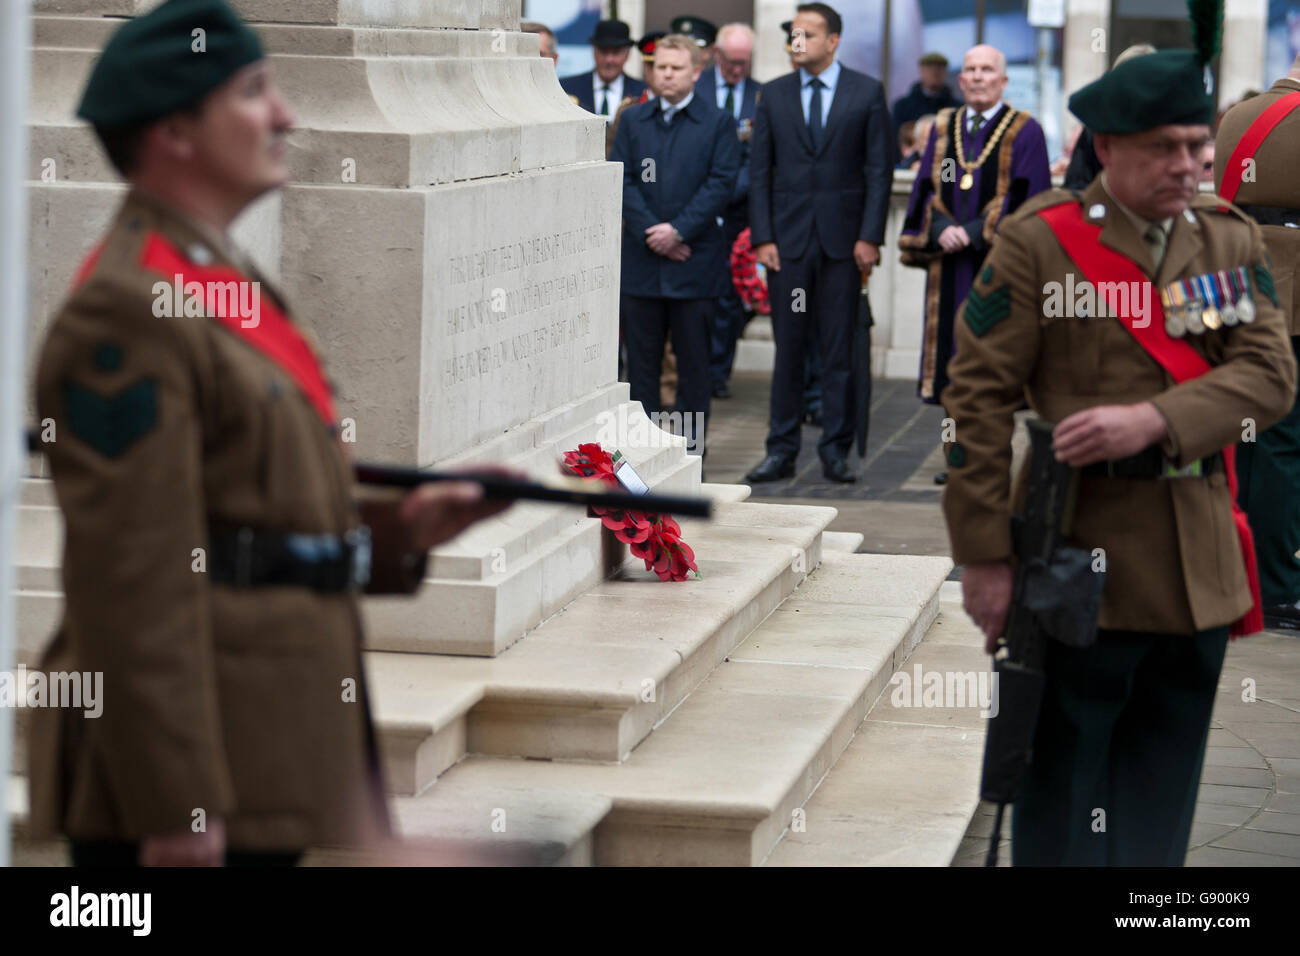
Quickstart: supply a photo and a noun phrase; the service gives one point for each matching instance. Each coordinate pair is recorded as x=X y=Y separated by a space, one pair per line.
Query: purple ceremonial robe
x=1015 y=169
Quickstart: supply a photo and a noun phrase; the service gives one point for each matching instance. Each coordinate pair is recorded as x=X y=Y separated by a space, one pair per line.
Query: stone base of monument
x=743 y=717
x=504 y=577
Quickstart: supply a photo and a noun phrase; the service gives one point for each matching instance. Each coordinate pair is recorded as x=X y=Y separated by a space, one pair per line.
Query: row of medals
x=1207 y=302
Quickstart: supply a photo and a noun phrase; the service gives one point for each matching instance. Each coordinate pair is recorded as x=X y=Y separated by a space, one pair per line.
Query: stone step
x=460 y=826
x=842 y=540
x=907 y=786
x=592 y=681
x=721 y=777
x=725 y=492
x=448 y=826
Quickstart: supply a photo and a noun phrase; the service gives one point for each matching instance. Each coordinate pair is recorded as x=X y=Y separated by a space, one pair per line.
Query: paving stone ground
x=1248 y=812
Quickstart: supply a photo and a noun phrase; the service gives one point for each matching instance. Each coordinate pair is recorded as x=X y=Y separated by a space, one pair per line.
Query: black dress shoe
x=1283 y=617
x=771 y=468
x=721 y=390
x=941 y=478
x=838 y=470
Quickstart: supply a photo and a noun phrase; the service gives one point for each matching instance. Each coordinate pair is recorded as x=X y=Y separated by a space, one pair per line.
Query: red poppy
x=653 y=538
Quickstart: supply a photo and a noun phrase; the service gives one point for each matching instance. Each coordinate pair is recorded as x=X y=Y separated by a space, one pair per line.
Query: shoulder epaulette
x=1044 y=200
x=1208 y=202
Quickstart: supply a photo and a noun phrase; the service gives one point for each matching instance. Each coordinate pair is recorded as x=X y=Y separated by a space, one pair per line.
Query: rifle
x=1055 y=595
x=572 y=491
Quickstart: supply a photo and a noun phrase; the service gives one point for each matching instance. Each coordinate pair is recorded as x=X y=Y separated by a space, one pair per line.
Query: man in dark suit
x=680 y=160
x=821 y=168
x=727 y=83
x=601 y=90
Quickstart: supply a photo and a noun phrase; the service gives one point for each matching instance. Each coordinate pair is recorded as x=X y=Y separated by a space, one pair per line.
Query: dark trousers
x=1118 y=751
x=812 y=378
x=646 y=325
x=728 y=323
x=98 y=854
x=1268 y=490
x=729 y=314
x=827 y=289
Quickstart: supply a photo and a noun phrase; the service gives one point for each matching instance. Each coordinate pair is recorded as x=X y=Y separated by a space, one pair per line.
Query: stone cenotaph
x=451 y=237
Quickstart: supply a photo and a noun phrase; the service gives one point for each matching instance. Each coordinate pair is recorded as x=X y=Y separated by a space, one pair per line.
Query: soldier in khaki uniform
x=1255 y=167
x=1124 y=722
x=214 y=546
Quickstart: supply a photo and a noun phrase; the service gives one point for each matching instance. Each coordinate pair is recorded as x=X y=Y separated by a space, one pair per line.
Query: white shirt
x=829 y=76
x=669 y=110
x=615 y=94
x=988 y=115
x=737 y=94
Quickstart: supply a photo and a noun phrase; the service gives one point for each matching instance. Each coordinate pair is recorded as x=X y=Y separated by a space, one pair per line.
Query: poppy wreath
x=654 y=538
x=750 y=286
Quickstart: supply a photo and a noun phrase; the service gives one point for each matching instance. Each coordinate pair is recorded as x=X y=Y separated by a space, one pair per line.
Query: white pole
x=15 y=41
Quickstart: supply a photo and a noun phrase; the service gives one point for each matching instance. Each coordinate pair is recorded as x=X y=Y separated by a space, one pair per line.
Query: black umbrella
x=862 y=372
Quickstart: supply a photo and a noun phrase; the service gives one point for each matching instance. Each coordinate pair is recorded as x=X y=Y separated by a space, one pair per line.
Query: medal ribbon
x=1101 y=264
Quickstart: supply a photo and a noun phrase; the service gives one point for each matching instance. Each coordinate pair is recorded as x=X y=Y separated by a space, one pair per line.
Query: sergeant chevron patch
x=985 y=311
x=111 y=424
x=1264 y=282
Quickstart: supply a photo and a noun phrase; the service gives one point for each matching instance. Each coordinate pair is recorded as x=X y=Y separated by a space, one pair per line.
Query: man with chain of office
x=982 y=161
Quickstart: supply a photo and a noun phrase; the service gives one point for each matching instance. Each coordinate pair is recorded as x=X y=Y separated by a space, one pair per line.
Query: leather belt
x=1272 y=215
x=1152 y=464
x=244 y=557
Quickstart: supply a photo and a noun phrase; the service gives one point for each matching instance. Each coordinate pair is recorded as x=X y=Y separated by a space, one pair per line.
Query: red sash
x=1102 y=264
x=1251 y=140
x=275 y=336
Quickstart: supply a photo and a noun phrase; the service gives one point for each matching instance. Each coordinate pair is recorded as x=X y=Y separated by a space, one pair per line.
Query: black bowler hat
x=611 y=33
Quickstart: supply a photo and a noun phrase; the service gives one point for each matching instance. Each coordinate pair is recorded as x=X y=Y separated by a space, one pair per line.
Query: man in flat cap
x=602 y=89
x=215 y=547
x=1255 y=162
x=1140 y=318
x=929 y=94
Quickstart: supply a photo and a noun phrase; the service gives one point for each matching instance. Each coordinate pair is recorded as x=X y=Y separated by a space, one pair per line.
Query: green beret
x=160 y=62
x=1165 y=87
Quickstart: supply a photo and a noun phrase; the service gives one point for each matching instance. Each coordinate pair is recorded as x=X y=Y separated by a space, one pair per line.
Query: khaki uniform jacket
x=1172 y=556
x=1276 y=182
x=230 y=701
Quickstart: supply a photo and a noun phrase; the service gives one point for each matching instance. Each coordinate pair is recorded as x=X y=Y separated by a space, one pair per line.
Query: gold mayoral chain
x=967 y=180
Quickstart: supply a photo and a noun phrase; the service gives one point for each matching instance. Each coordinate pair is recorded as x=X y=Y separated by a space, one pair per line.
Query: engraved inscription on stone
x=521 y=300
